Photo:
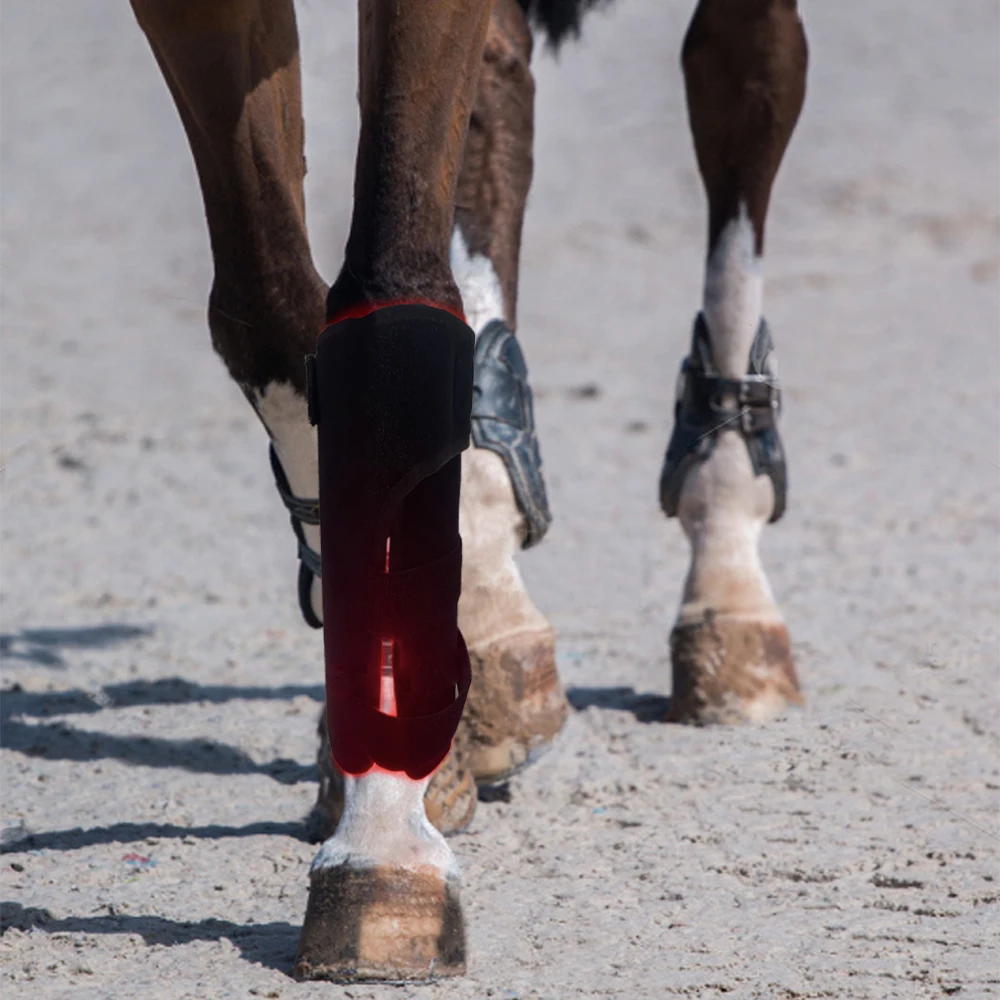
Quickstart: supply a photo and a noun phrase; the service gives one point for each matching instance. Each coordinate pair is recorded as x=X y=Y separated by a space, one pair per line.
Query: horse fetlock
x=723 y=500
x=494 y=600
x=384 y=823
x=449 y=798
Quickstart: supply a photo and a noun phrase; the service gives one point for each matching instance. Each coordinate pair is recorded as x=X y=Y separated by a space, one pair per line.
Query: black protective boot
x=391 y=393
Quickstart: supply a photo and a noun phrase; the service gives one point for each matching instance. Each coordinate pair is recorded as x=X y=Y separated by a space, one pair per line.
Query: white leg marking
x=482 y=297
x=723 y=506
x=285 y=415
x=384 y=824
x=734 y=295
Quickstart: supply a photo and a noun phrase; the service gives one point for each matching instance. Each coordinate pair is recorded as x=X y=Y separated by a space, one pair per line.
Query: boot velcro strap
x=416 y=608
x=306 y=511
x=311 y=559
x=752 y=402
x=397 y=736
x=420 y=595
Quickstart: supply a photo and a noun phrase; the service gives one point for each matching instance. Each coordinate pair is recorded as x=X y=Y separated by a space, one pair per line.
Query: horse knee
x=737 y=39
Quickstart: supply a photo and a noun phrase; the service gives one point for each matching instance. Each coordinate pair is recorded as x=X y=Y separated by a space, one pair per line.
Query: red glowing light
x=387 y=692
x=362 y=309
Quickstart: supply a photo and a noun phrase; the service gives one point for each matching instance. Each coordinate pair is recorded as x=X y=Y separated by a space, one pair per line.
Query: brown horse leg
x=516 y=704
x=419 y=65
x=232 y=67
x=744 y=65
x=383 y=901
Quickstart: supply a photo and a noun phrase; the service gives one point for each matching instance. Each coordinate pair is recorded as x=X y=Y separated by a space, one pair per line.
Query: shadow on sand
x=17 y=841
x=272 y=945
x=57 y=741
x=43 y=646
x=165 y=691
x=645 y=707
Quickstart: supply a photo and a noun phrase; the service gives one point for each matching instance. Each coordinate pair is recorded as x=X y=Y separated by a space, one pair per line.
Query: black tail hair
x=559 y=18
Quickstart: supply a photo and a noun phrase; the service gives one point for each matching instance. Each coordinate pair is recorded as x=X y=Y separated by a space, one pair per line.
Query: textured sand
x=160 y=691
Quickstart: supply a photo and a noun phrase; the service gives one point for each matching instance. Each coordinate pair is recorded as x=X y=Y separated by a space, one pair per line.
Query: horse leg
x=232 y=68
x=391 y=392
x=724 y=475
x=516 y=704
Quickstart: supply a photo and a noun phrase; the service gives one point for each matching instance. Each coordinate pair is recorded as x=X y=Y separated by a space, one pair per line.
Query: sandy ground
x=160 y=691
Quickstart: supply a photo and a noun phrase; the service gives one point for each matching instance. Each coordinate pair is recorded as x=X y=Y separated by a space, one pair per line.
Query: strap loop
x=302 y=512
x=397 y=736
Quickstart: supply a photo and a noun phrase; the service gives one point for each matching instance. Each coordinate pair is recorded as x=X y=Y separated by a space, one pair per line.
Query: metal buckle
x=759 y=391
x=760 y=403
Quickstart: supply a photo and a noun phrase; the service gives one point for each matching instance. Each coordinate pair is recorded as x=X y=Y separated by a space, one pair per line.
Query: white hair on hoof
x=384 y=824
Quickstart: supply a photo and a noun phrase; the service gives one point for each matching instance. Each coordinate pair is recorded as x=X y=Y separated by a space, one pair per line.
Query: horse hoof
x=450 y=799
x=383 y=924
x=729 y=669
x=516 y=704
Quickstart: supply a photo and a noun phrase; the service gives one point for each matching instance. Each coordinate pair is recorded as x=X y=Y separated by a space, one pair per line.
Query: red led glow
x=361 y=309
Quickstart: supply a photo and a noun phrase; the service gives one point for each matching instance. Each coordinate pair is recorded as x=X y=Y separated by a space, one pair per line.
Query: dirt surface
x=160 y=692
